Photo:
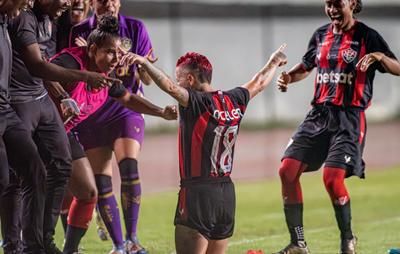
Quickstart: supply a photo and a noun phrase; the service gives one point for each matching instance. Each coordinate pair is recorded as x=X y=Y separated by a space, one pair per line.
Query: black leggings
x=19 y=151
x=44 y=123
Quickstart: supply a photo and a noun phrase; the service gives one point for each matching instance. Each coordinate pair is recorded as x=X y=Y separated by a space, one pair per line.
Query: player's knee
x=103 y=184
x=290 y=171
x=128 y=169
x=81 y=212
x=334 y=183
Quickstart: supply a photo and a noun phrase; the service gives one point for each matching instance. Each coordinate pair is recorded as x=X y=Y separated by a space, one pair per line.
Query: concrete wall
x=238 y=40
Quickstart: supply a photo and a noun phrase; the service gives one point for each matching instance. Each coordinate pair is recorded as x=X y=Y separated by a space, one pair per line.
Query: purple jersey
x=134 y=38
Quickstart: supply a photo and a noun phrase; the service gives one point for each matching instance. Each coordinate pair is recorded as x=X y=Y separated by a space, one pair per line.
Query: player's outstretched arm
x=161 y=79
x=265 y=75
x=40 y=68
x=391 y=65
x=297 y=73
x=141 y=105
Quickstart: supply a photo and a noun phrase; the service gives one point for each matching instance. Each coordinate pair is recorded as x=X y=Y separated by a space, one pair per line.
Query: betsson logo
x=235 y=113
x=335 y=78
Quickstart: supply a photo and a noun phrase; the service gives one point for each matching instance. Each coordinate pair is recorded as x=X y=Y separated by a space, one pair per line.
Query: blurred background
x=238 y=37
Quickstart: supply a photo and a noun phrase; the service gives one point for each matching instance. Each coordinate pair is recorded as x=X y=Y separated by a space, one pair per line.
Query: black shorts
x=333 y=136
x=77 y=151
x=208 y=207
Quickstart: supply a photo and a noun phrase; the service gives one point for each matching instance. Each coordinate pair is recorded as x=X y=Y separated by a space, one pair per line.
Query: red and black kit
x=208 y=129
x=334 y=130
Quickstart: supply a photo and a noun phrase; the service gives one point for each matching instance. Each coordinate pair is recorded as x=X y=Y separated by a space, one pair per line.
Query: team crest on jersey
x=126 y=44
x=349 y=55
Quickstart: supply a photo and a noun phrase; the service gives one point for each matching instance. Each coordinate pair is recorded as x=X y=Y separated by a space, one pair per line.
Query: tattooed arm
x=161 y=79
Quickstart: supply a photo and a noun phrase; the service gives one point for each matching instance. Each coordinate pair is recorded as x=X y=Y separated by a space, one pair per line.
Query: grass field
x=260 y=222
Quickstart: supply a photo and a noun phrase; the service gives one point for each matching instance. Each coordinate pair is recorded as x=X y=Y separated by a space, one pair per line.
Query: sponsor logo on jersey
x=349 y=55
x=235 y=113
x=356 y=43
x=335 y=78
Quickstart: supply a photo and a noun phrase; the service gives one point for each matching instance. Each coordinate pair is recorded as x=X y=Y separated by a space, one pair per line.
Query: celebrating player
x=114 y=128
x=208 y=128
x=346 y=53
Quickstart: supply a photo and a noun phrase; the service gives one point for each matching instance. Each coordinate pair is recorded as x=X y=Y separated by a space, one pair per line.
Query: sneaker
x=299 y=248
x=51 y=248
x=117 y=250
x=348 y=246
x=134 y=247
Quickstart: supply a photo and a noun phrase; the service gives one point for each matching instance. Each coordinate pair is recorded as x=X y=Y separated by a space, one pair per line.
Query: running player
x=31 y=34
x=101 y=55
x=16 y=143
x=334 y=130
x=114 y=128
x=208 y=128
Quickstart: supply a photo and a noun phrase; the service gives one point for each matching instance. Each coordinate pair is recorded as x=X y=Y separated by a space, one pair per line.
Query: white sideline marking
x=316 y=230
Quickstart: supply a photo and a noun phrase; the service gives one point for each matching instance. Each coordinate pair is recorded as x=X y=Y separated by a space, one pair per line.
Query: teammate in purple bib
x=114 y=128
x=102 y=54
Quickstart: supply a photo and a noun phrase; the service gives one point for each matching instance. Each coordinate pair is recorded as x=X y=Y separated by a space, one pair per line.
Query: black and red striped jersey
x=208 y=128
x=337 y=81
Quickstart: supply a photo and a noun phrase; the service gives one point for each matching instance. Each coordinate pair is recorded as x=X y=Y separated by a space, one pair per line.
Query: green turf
x=260 y=222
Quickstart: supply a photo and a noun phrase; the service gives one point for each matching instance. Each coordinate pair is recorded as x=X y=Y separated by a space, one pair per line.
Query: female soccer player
x=346 y=53
x=209 y=125
x=114 y=128
x=101 y=55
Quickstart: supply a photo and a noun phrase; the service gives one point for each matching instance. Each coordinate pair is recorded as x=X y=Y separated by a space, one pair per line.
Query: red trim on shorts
x=362 y=127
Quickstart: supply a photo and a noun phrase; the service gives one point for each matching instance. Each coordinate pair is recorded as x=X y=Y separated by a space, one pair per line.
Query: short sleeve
x=144 y=42
x=241 y=95
x=375 y=43
x=309 y=57
x=67 y=61
x=117 y=91
x=197 y=104
x=23 y=30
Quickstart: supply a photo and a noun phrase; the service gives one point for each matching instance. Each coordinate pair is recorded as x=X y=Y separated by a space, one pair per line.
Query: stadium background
x=238 y=36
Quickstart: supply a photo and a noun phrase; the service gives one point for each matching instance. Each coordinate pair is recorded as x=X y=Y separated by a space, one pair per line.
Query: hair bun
x=108 y=24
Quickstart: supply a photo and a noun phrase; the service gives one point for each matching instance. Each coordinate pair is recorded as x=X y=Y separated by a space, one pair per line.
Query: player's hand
x=98 y=80
x=150 y=57
x=278 y=56
x=283 y=81
x=69 y=109
x=130 y=58
x=80 y=41
x=366 y=61
x=170 y=113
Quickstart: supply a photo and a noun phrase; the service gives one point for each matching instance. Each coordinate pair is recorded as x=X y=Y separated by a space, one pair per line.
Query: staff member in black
x=17 y=147
x=31 y=34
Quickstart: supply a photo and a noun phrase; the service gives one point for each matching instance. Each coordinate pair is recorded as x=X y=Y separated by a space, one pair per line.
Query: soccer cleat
x=394 y=251
x=12 y=248
x=51 y=248
x=117 y=250
x=299 y=248
x=101 y=228
x=348 y=246
x=133 y=247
